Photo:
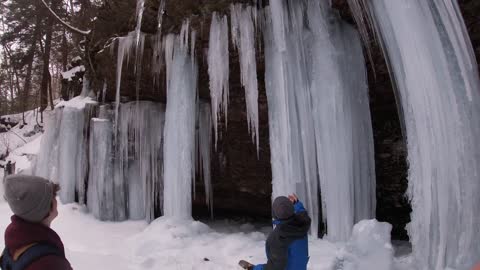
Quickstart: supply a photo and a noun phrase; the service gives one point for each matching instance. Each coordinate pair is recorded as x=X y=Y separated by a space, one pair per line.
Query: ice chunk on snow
x=369 y=248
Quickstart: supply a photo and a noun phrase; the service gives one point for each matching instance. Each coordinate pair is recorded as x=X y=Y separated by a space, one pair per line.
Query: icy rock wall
x=179 y=150
x=438 y=87
x=320 y=128
x=63 y=155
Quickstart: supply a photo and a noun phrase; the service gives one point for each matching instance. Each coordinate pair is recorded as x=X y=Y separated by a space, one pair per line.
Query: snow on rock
x=78 y=102
x=369 y=248
x=69 y=74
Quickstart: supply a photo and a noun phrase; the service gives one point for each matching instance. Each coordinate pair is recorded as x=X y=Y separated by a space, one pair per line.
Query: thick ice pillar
x=438 y=88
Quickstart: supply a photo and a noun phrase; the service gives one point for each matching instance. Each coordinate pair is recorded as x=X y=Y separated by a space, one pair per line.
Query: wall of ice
x=320 y=129
x=438 y=88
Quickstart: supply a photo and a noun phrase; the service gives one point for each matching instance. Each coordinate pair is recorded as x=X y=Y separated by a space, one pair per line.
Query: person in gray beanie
x=287 y=244
x=30 y=243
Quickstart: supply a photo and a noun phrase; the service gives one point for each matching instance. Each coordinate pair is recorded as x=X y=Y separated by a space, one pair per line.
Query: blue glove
x=298 y=207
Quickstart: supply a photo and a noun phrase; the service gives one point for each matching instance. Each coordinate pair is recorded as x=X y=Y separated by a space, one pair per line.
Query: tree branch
x=71 y=28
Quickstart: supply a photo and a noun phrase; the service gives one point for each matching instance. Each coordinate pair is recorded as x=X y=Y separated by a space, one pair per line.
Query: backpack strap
x=29 y=256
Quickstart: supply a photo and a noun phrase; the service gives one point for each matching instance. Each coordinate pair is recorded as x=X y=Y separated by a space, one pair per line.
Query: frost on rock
x=179 y=150
x=243 y=37
x=368 y=248
x=438 y=89
x=219 y=69
x=321 y=135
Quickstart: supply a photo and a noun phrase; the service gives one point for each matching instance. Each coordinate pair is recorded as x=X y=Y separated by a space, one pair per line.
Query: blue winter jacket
x=287 y=244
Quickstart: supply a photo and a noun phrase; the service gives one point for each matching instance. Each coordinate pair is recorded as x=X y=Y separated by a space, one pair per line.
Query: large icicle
x=125 y=45
x=218 y=69
x=320 y=131
x=434 y=68
x=179 y=150
x=243 y=37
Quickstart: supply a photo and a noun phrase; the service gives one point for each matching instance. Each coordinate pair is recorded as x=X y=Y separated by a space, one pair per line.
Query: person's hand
x=293 y=198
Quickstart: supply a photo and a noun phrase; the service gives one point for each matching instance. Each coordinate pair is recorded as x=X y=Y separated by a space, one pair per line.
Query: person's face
x=54 y=210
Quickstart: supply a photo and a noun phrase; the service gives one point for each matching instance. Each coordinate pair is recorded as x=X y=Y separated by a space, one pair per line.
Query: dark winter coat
x=287 y=244
x=21 y=234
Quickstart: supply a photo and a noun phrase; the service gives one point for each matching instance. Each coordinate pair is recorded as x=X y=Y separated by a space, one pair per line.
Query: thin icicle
x=243 y=37
x=219 y=69
x=205 y=146
x=161 y=11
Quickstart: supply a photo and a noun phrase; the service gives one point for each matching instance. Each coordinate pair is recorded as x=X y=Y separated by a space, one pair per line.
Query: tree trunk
x=46 y=58
x=30 y=58
x=50 y=90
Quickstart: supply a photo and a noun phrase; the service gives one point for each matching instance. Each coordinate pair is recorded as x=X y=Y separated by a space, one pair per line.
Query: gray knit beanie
x=282 y=208
x=29 y=197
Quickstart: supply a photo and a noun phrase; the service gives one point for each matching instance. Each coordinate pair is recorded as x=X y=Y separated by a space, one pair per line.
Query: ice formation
x=369 y=248
x=204 y=142
x=179 y=150
x=125 y=177
x=320 y=131
x=243 y=37
x=219 y=69
x=63 y=155
x=438 y=88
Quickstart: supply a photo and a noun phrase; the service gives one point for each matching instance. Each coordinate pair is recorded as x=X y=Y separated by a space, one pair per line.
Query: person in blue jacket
x=287 y=244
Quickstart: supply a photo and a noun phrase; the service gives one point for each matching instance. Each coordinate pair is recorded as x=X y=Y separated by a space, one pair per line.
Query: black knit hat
x=282 y=208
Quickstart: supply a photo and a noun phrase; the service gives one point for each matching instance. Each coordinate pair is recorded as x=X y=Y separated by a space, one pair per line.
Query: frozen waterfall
x=320 y=129
x=179 y=150
x=438 y=87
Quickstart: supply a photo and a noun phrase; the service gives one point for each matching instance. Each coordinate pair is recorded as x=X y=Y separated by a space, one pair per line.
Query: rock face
x=241 y=181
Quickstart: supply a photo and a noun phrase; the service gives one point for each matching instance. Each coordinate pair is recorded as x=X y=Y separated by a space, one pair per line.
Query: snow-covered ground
x=187 y=244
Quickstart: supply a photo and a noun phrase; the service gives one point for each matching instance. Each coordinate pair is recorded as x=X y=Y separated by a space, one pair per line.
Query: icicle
x=124 y=49
x=161 y=11
x=219 y=69
x=438 y=88
x=243 y=37
x=180 y=117
x=205 y=146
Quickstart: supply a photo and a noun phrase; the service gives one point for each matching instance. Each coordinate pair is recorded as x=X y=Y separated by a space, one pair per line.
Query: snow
x=219 y=69
x=69 y=74
x=438 y=90
x=78 y=102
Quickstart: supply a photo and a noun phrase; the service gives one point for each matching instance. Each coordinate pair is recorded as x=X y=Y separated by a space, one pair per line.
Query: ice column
x=179 y=147
x=218 y=69
x=436 y=76
x=101 y=191
x=243 y=37
x=320 y=129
